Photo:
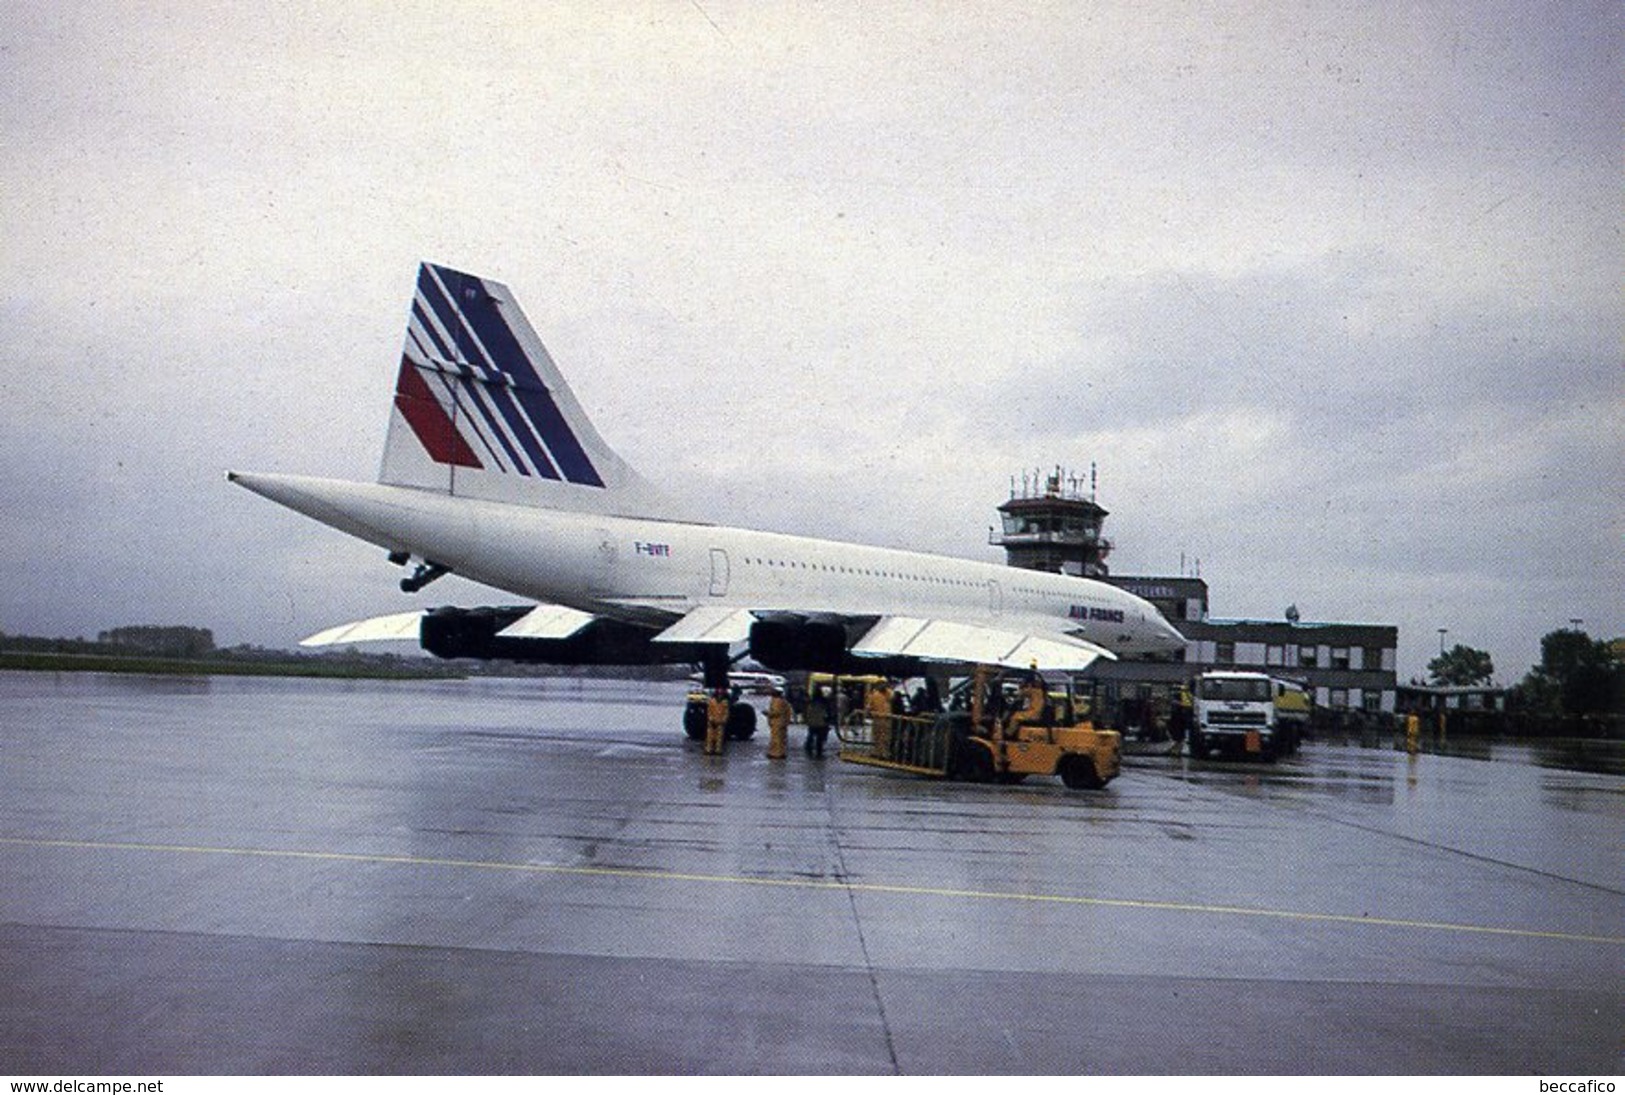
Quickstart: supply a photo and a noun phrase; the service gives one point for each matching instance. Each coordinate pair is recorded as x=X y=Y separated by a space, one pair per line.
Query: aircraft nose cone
x=1176 y=641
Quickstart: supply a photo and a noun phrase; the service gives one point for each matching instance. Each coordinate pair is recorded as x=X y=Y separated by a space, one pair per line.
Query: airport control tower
x=1051 y=524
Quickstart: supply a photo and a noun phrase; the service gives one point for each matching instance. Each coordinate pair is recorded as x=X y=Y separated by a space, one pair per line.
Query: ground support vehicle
x=983 y=741
x=1293 y=705
x=1247 y=714
x=748 y=682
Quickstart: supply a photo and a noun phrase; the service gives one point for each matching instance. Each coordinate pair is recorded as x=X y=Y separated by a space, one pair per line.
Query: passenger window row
x=899 y=575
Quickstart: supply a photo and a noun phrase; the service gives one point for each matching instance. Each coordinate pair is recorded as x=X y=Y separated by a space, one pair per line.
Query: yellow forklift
x=997 y=729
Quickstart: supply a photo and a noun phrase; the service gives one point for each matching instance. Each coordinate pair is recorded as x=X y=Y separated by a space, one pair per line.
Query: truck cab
x=1249 y=714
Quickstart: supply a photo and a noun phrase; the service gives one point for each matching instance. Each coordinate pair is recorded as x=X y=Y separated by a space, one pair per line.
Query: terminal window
x=1306 y=657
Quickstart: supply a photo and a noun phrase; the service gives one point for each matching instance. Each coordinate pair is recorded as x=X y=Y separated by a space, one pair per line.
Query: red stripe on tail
x=428 y=419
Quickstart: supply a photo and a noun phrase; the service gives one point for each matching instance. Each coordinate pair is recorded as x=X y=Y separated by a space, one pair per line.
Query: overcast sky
x=1330 y=293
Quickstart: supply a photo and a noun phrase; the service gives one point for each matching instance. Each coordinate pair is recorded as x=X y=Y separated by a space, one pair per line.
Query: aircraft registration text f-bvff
x=492 y=471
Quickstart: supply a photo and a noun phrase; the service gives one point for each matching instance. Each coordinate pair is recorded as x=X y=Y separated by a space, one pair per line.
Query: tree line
x=161 y=641
x=1576 y=675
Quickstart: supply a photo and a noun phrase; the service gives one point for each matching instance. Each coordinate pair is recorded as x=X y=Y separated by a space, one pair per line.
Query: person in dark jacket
x=818 y=713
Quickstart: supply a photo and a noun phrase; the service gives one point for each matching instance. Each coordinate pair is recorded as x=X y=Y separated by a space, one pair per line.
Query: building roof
x=1053 y=502
x=1452 y=689
x=1284 y=631
x=1152 y=587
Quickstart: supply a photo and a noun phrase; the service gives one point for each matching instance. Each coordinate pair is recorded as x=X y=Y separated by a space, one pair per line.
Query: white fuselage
x=651 y=571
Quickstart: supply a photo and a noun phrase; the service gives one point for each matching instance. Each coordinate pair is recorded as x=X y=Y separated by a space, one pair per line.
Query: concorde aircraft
x=492 y=471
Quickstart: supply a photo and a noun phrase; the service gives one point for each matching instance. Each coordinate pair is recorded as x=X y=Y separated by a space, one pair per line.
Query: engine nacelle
x=786 y=641
x=472 y=633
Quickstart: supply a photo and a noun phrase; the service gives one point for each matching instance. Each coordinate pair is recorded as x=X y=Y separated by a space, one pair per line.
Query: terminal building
x=1050 y=524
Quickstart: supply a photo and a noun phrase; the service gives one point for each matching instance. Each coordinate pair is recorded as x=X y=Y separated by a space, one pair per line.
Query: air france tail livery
x=491 y=470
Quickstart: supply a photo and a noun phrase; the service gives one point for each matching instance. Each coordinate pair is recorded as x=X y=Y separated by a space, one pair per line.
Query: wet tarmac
x=228 y=876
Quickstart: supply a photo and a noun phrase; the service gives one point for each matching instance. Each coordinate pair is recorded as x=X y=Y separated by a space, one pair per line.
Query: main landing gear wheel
x=694 y=718
x=741 y=722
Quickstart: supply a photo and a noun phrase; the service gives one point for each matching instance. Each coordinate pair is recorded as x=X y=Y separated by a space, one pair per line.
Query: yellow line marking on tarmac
x=652 y=874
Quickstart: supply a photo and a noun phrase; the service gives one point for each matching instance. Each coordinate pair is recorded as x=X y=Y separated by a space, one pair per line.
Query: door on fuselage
x=719 y=572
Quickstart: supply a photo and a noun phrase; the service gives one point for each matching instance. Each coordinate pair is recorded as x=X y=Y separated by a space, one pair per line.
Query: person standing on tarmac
x=818 y=711
x=877 y=705
x=778 y=726
x=1180 y=723
x=716 y=722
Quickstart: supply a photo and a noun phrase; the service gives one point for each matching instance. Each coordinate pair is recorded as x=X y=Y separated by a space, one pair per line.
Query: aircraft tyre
x=741 y=722
x=694 y=718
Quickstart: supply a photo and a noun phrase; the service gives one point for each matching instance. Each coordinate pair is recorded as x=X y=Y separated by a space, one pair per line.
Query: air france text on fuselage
x=1090 y=612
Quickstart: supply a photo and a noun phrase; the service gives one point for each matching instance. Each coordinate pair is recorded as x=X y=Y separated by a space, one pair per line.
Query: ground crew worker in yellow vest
x=716 y=722
x=778 y=726
x=1179 y=724
x=1033 y=698
x=877 y=705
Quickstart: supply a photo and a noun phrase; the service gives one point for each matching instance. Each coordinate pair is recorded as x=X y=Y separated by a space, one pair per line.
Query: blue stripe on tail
x=468 y=349
x=475 y=306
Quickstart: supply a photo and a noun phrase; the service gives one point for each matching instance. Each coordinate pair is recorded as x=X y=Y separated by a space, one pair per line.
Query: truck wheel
x=1078 y=773
x=741 y=722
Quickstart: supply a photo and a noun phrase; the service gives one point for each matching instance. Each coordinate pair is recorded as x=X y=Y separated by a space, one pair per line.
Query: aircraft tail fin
x=481 y=410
